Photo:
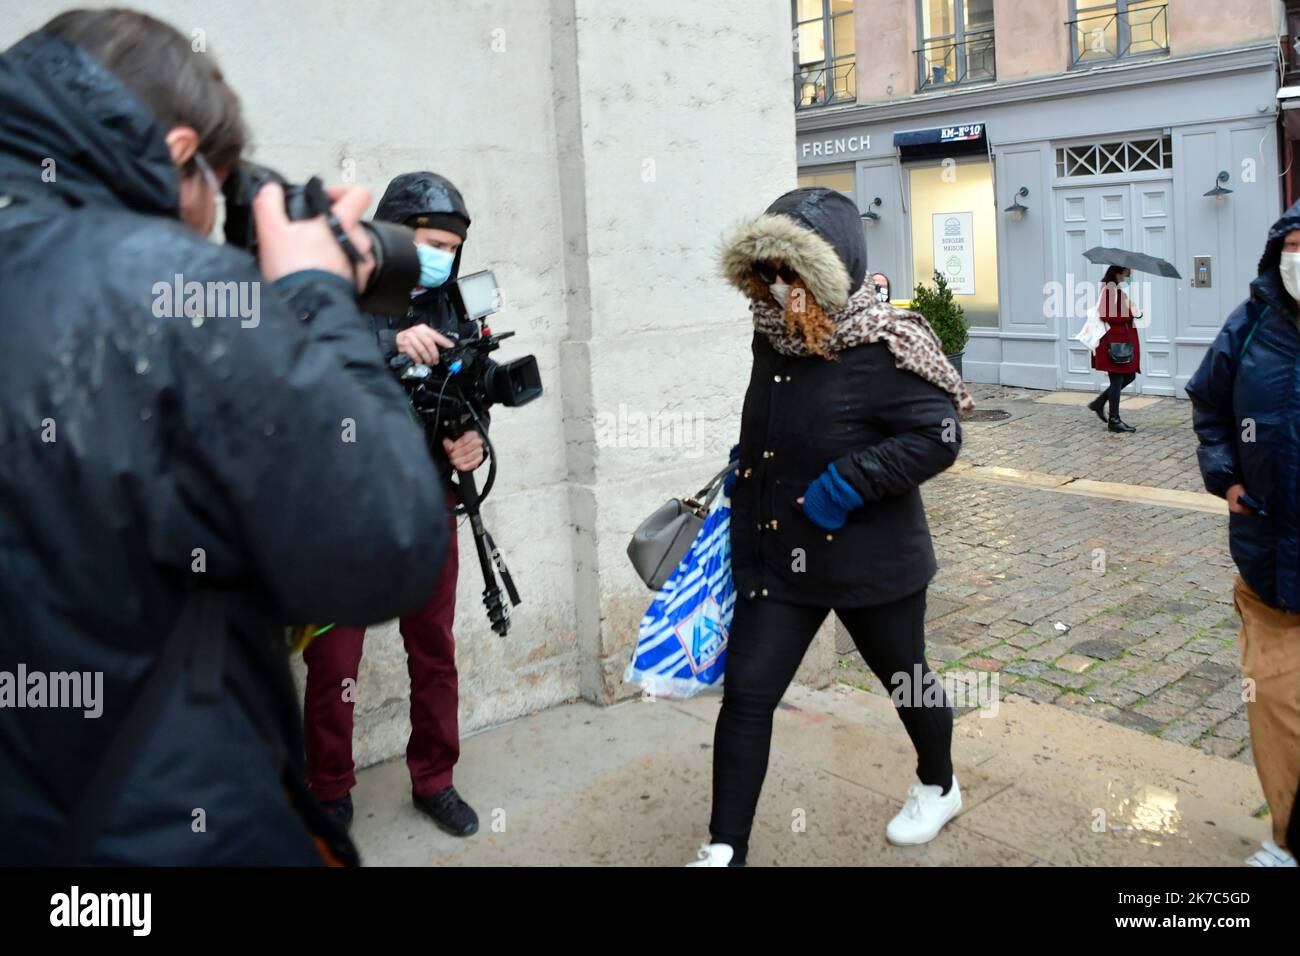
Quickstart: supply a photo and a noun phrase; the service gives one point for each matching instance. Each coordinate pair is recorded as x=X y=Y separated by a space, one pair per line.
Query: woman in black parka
x=851 y=406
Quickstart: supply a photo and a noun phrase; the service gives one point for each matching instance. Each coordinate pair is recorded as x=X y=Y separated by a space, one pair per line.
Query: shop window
x=1102 y=159
x=1102 y=30
x=955 y=230
x=825 y=52
x=841 y=179
x=956 y=43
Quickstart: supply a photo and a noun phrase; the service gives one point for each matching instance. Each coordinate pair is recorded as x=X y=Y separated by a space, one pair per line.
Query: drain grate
x=986 y=415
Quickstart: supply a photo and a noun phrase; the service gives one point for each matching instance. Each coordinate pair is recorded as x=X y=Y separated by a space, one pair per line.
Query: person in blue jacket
x=1246 y=412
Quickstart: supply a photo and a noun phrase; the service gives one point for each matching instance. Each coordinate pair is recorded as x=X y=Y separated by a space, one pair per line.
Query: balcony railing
x=822 y=85
x=1114 y=36
x=971 y=60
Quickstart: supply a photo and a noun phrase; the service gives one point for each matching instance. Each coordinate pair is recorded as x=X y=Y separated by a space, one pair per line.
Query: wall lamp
x=1017 y=208
x=1218 y=192
x=871 y=215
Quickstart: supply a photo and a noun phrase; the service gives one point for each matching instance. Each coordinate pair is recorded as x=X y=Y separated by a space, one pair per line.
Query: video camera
x=397 y=264
x=453 y=396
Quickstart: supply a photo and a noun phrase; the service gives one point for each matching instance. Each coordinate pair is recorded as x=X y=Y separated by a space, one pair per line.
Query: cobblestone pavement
x=1117 y=609
x=1069 y=440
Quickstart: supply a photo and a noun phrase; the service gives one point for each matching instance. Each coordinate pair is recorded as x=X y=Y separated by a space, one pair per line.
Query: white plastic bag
x=1093 y=329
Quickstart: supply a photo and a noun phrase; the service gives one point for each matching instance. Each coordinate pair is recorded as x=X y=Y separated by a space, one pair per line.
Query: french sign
x=834 y=147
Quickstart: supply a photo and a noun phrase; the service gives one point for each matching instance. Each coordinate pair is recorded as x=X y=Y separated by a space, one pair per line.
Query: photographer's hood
x=412 y=195
x=70 y=128
x=426 y=199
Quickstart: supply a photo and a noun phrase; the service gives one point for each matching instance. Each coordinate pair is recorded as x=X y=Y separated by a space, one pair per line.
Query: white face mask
x=781 y=292
x=1290 y=268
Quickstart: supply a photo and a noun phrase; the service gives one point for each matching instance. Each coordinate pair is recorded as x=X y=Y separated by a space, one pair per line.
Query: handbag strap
x=703 y=499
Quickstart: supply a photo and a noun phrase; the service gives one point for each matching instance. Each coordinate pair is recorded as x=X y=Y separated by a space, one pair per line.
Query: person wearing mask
x=1122 y=362
x=175 y=489
x=433 y=207
x=1245 y=405
x=881 y=283
x=851 y=405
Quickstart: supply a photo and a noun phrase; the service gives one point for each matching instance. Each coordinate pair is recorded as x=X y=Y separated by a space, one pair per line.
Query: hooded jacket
x=260 y=466
x=418 y=200
x=886 y=430
x=1246 y=412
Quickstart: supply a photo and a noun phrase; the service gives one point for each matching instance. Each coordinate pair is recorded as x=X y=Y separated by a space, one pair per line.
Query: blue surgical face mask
x=435 y=266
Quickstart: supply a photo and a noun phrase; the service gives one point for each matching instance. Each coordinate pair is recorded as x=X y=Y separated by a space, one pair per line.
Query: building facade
x=999 y=139
x=600 y=176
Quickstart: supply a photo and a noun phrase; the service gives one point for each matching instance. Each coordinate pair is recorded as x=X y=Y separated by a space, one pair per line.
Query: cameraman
x=433 y=207
x=176 y=488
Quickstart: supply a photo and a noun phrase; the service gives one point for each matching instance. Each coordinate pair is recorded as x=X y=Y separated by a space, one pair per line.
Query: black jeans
x=1118 y=382
x=768 y=639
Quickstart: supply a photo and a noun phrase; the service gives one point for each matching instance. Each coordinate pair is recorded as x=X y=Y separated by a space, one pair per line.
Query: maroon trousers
x=332 y=662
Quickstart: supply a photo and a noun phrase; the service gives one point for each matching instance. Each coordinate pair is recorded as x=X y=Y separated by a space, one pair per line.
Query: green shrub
x=945 y=316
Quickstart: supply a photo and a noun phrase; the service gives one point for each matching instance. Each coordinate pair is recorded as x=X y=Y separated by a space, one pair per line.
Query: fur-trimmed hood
x=817 y=232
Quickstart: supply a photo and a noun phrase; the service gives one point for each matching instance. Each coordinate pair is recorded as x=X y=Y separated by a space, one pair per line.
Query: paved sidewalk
x=1085 y=571
x=1114 y=608
x=630 y=785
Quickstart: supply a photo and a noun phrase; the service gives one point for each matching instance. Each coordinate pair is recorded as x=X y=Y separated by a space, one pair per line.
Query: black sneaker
x=340 y=810
x=1119 y=425
x=452 y=814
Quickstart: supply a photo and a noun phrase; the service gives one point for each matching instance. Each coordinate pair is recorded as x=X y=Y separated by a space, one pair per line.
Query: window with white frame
x=1102 y=30
x=825 y=52
x=1103 y=159
x=956 y=43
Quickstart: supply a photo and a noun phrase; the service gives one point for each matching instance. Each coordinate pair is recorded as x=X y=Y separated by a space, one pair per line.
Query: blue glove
x=729 y=482
x=829 y=499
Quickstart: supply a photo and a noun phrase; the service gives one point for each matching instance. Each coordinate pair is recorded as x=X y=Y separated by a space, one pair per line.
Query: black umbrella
x=1137 y=261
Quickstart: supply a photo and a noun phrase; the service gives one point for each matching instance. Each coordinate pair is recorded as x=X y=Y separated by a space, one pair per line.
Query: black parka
x=886 y=430
x=146 y=457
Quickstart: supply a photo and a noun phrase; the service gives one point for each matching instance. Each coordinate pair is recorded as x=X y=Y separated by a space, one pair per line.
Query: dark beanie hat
x=440 y=220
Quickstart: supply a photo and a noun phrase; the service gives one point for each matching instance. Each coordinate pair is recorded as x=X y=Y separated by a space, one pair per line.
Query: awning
x=941 y=141
x=1288 y=99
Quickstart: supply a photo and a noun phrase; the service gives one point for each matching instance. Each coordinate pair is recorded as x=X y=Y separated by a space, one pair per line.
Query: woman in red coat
x=1115 y=310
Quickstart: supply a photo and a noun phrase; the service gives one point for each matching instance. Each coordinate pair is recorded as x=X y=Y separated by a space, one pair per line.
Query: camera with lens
x=397 y=264
x=454 y=394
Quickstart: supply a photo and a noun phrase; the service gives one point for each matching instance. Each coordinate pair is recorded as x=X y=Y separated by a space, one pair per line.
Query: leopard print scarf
x=907 y=335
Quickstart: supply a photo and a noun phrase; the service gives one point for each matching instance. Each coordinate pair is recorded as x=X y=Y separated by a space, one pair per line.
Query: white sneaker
x=1271 y=855
x=714 y=854
x=924 y=813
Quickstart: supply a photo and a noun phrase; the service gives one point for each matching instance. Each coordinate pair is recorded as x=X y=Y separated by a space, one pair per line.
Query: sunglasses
x=770 y=273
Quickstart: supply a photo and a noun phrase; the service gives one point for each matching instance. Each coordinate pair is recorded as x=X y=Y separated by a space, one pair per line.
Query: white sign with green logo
x=954 y=250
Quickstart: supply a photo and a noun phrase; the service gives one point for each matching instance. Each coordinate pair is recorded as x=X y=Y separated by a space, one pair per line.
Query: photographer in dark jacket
x=163 y=510
x=851 y=406
x=433 y=207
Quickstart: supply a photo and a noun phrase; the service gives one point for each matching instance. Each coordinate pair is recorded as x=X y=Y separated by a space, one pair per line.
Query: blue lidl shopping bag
x=682 y=644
